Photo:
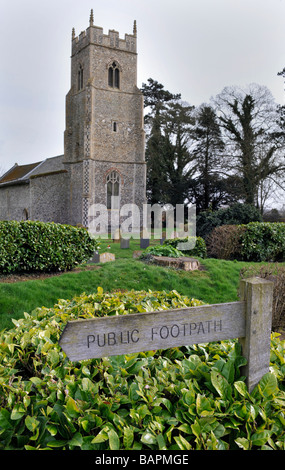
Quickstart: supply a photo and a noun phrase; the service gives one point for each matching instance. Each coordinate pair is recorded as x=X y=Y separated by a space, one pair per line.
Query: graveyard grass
x=216 y=282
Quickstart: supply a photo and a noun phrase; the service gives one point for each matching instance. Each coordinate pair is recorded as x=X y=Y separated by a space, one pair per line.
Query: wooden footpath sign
x=249 y=320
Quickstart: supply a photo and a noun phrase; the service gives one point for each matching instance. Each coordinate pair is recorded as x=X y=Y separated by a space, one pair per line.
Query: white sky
x=192 y=47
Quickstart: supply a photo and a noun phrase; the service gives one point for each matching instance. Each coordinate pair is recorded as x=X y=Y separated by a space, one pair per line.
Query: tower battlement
x=94 y=35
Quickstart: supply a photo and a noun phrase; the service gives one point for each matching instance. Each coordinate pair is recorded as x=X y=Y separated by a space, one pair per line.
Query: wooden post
x=258 y=296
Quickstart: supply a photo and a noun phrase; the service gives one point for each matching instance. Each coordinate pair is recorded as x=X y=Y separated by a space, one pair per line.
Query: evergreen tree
x=208 y=187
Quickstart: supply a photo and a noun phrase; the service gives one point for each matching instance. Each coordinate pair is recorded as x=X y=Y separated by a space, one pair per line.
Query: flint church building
x=103 y=139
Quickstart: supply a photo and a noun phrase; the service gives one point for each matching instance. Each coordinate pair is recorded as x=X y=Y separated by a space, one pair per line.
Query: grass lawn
x=216 y=283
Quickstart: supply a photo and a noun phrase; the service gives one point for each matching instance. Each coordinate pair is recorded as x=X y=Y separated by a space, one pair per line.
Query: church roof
x=22 y=173
x=18 y=172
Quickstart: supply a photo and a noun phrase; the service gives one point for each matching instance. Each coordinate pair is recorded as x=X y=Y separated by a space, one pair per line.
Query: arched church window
x=114 y=75
x=113 y=189
x=80 y=77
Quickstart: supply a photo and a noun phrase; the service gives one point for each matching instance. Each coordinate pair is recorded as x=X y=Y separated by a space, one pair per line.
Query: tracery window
x=80 y=78
x=114 y=75
x=113 y=189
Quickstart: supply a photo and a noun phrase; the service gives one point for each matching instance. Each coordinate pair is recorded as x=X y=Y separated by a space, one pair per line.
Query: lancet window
x=114 y=75
x=113 y=189
x=80 y=78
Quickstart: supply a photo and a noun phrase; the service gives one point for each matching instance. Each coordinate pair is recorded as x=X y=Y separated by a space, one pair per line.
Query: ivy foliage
x=199 y=249
x=179 y=398
x=162 y=250
x=30 y=246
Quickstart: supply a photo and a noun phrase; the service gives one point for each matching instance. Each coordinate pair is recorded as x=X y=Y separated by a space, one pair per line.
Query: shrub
x=199 y=249
x=36 y=246
x=162 y=250
x=276 y=274
x=263 y=241
x=225 y=242
x=236 y=214
x=176 y=399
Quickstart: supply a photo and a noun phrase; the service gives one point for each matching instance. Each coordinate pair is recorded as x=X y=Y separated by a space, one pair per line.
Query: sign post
x=257 y=294
x=249 y=320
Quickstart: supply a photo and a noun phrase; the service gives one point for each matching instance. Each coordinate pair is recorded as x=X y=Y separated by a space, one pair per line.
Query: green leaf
x=77 y=440
x=18 y=411
x=56 y=444
x=148 y=438
x=241 y=388
x=102 y=436
x=72 y=408
x=203 y=406
x=36 y=380
x=228 y=371
x=260 y=438
x=53 y=357
x=5 y=419
x=267 y=385
x=242 y=442
x=114 y=440
x=31 y=423
x=220 y=383
x=161 y=442
x=52 y=429
x=182 y=443
x=128 y=437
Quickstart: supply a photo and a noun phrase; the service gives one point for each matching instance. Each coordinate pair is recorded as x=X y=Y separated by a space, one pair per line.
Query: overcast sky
x=192 y=47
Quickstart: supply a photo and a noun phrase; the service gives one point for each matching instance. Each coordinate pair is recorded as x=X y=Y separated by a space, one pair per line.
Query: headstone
x=105 y=257
x=95 y=258
x=125 y=243
x=144 y=243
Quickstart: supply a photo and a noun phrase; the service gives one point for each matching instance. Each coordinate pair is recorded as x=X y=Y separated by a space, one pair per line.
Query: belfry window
x=114 y=75
x=113 y=189
x=80 y=78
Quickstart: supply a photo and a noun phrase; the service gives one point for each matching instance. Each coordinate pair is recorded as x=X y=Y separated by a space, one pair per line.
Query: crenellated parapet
x=94 y=35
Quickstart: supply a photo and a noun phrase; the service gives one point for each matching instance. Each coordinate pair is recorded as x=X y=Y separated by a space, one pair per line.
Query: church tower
x=104 y=135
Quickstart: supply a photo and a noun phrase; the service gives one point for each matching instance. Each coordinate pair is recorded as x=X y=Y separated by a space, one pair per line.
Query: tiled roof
x=18 y=172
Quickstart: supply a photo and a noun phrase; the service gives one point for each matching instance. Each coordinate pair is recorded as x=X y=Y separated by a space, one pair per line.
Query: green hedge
x=263 y=241
x=36 y=246
x=256 y=241
x=176 y=399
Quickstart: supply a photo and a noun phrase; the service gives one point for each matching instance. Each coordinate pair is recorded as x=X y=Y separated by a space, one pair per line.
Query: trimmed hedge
x=37 y=246
x=263 y=241
x=175 y=399
x=256 y=241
